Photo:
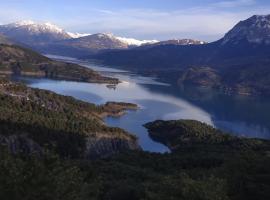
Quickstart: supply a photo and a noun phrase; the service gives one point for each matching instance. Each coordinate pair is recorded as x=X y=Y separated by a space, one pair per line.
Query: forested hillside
x=43 y=154
x=15 y=60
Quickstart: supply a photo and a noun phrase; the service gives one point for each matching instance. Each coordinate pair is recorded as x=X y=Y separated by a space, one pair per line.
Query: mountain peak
x=255 y=29
x=33 y=33
x=36 y=27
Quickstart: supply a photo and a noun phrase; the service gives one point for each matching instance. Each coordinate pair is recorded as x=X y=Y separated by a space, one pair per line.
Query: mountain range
x=50 y=39
x=239 y=62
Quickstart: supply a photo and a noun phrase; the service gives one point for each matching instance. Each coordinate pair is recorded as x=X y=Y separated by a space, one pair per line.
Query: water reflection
x=153 y=105
x=243 y=116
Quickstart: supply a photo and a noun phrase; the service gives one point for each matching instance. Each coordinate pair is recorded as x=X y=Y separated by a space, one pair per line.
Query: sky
x=206 y=20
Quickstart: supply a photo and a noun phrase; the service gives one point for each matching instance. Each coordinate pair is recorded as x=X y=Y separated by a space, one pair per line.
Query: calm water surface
x=240 y=115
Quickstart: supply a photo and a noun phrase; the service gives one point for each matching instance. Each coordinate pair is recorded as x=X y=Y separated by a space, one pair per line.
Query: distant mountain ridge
x=86 y=45
x=98 y=41
x=49 y=38
x=31 y=33
x=179 y=42
x=32 y=28
x=239 y=62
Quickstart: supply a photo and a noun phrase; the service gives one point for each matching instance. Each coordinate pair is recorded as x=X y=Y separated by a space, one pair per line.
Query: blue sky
x=143 y=19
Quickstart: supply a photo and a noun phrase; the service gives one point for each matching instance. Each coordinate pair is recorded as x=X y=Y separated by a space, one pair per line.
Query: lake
x=239 y=115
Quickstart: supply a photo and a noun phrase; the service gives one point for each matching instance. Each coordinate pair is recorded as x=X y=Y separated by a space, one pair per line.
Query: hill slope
x=21 y=61
x=71 y=127
x=205 y=168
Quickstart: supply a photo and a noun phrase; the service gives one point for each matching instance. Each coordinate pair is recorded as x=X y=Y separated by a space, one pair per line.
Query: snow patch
x=77 y=35
x=135 y=42
x=36 y=27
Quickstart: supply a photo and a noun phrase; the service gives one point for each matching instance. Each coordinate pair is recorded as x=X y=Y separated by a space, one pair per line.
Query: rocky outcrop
x=95 y=147
x=104 y=146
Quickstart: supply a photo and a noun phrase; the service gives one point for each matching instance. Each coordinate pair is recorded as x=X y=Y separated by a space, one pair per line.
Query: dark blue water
x=240 y=115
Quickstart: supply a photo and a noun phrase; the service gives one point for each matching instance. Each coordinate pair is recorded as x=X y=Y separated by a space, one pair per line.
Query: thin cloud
x=205 y=23
x=208 y=23
x=233 y=4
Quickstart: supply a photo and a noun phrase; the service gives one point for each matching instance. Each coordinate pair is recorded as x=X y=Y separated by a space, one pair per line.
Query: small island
x=117 y=109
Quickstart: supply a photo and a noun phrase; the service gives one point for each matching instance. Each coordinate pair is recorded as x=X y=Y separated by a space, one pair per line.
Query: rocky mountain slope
x=5 y=40
x=254 y=30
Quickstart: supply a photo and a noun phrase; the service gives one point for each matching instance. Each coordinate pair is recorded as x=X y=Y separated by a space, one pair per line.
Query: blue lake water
x=244 y=116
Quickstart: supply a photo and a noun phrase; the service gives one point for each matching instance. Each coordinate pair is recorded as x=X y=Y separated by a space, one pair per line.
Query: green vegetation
x=20 y=61
x=181 y=135
x=43 y=139
x=138 y=175
x=57 y=121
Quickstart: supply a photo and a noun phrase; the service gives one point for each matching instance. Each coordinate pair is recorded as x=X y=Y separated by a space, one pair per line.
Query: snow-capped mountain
x=77 y=35
x=35 y=28
x=97 y=41
x=181 y=42
x=178 y=42
x=51 y=39
x=255 y=29
x=31 y=33
x=127 y=41
x=135 y=42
